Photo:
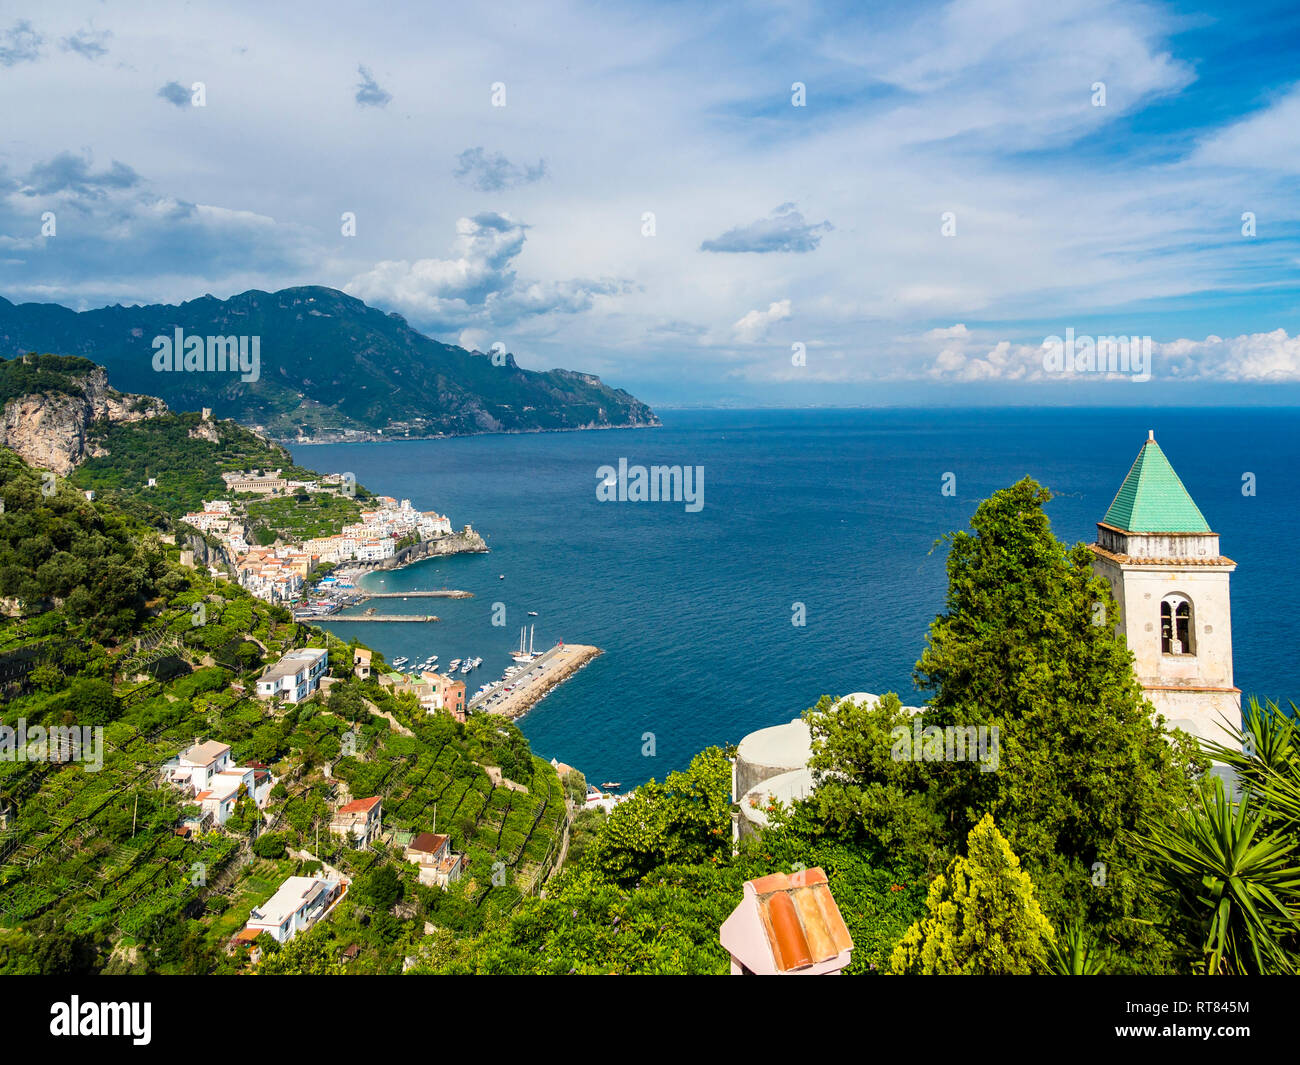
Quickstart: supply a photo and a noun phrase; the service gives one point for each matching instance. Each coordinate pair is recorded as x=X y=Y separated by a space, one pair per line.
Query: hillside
x=97 y=628
x=49 y=402
x=327 y=364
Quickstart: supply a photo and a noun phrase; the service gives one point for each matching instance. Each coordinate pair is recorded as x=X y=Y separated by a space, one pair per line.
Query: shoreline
x=371 y=436
x=470 y=543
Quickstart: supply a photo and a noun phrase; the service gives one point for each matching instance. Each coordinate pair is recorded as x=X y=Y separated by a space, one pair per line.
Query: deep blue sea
x=837 y=510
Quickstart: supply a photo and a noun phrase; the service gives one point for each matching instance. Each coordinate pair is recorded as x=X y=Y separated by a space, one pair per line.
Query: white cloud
x=478 y=284
x=1249 y=358
x=1269 y=139
x=754 y=325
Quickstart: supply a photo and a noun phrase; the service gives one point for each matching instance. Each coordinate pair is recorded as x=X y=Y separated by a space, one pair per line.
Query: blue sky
x=775 y=225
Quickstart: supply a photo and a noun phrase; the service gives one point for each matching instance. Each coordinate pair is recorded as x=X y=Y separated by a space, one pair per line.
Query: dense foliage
x=185 y=463
x=94 y=875
x=982 y=917
x=34 y=374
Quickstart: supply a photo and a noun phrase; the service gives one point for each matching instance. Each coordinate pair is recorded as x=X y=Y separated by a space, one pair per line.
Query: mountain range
x=326 y=366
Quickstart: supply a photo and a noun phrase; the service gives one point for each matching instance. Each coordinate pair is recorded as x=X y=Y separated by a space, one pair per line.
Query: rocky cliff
x=48 y=428
x=467 y=541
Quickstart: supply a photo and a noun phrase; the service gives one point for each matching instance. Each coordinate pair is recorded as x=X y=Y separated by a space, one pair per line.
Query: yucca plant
x=1073 y=953
x=1265 y=756
x=1234 y=886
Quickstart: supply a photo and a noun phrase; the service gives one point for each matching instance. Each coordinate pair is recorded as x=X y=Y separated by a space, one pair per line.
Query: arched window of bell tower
x=1177 y=632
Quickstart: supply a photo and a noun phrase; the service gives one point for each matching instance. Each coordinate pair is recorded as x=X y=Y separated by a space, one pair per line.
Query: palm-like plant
x=1073 y=953
x=1234 y=885
x=1265 y=755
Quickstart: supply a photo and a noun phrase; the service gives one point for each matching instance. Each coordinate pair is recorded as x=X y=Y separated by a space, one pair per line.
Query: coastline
x=465 y=542
x=372 y=436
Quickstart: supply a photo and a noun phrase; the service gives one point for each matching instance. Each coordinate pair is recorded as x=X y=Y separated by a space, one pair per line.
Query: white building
x=438 y=866
x=300 y=903
x=360 y=820
x=206 y=772
x=376 y=550
x=196 y=766
x=296 y=676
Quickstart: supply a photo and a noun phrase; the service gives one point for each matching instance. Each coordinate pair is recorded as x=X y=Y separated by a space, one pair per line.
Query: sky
x=767 y=204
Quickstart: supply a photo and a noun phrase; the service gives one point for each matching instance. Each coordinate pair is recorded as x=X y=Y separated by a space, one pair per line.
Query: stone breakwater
x=559 y=667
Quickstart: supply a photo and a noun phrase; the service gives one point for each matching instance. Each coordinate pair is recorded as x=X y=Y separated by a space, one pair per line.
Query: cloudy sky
x=768 y=203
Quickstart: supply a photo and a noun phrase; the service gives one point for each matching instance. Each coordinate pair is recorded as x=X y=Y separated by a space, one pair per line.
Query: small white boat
x=453 y=665
x=532 y=613
x=400 y=661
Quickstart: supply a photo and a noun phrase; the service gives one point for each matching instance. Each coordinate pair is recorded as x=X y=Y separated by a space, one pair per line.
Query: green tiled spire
x=1153 y=499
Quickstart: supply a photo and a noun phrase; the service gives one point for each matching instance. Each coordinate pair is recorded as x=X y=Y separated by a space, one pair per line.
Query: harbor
x=518 y=692
x=332 y=595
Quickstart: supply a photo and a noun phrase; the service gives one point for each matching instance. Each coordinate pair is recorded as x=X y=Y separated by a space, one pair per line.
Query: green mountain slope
x=98 y=629
x=328 y=363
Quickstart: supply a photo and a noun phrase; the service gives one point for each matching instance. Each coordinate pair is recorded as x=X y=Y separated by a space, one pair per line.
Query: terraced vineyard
x=91 y=860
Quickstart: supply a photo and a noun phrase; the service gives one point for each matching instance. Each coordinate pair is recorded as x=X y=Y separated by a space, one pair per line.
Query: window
x=1176 y=626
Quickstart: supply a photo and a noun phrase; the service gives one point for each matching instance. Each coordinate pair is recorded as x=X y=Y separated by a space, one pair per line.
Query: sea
x=814 y=566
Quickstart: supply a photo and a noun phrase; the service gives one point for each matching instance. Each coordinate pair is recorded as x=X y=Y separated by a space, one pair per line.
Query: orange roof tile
x=800 y=918
x=360 y=806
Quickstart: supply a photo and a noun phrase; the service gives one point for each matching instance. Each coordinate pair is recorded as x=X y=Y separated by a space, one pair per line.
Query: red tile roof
x=360 y=806
x=800 y=918
x=428 y=843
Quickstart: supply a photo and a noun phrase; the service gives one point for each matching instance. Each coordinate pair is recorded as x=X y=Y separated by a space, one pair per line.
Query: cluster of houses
x=433 y=691
x=207 y=773
x=301 y=901
x=277 y=574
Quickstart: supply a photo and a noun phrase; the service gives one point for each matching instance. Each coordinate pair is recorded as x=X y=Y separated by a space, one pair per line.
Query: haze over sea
x=835 y=509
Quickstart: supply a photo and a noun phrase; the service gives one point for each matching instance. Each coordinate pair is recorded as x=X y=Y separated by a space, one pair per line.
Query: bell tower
x=1165 y=571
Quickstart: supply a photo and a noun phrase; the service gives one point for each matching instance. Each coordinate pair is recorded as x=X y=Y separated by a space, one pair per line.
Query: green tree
x=380 y=888
x=269 y=845
x=309 y=953
x=686 y=819
x=984 y=917
x=865 y=793
x=1081 y=763
x=1019 y=648
x=91 y=702
x=68 y=954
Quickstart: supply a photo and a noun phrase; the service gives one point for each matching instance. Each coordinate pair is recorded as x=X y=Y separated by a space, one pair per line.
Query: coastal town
x=280 y=572
x=315 y=577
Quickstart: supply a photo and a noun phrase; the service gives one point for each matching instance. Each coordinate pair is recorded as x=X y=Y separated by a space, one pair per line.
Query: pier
x=371 y=617
x=536 y=679
x=445 y=593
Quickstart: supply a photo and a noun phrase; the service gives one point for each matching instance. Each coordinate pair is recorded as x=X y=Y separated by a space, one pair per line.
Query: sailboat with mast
x=524 y=655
